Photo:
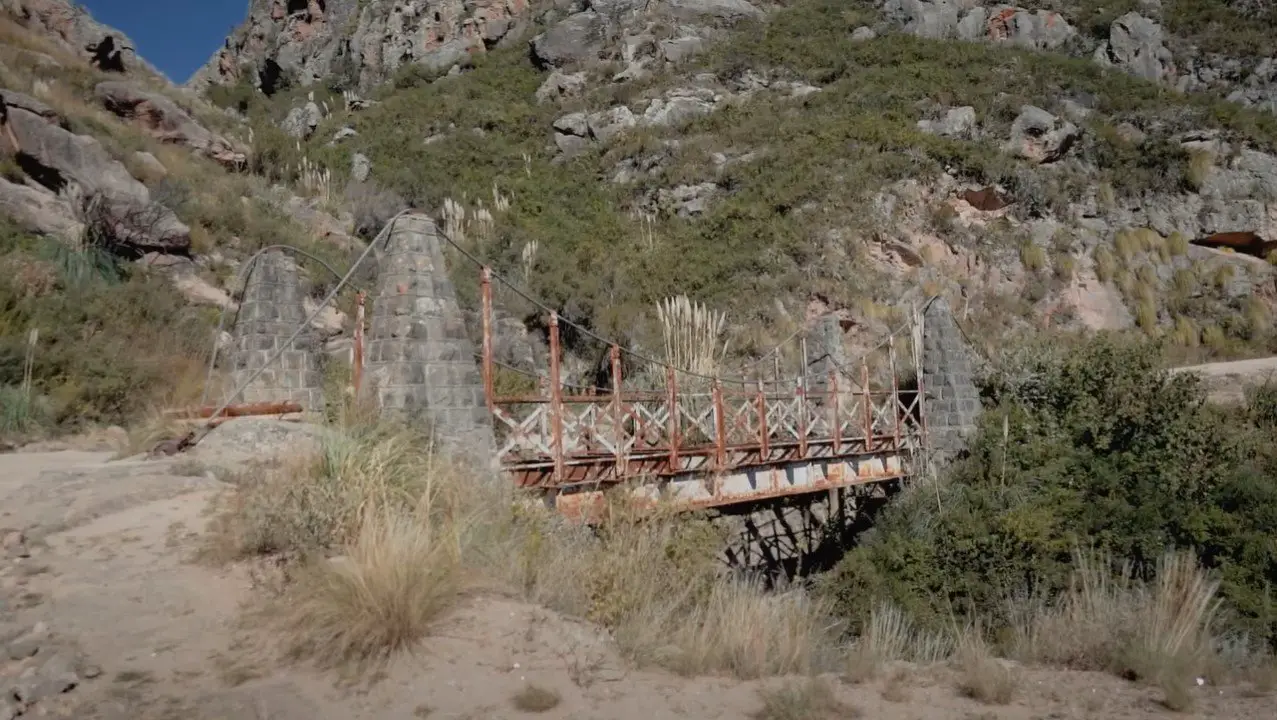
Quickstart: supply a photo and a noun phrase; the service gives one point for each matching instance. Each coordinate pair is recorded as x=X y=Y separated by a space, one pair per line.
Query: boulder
x=676 y=50
x=1041 y=137
x=54 y=676
x=577 y=38
x=302 y=121
x=688 y=200
x=149 y=166
x=560 y=85
x=11 y=99
x=725 y=11
x=360 y=167
x=611 y=122
x=678 y=109
x=936 y=20
x=958 y=122
x=864 y=33
x=575 y=124
x=39 y=211
x=1037 y=29
x=164 y=120
x=1135 y=45
x=121 y=205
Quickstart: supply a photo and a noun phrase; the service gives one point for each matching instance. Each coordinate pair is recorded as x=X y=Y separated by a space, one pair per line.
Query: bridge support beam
x=421 y=363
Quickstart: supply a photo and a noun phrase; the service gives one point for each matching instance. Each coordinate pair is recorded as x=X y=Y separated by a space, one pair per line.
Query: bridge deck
x=698 y=441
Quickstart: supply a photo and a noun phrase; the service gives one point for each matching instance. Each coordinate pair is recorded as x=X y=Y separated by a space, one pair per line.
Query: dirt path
x=1228 y=381
x=124 y=626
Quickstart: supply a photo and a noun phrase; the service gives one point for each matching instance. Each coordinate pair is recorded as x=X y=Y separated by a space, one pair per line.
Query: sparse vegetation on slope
x=816 y=163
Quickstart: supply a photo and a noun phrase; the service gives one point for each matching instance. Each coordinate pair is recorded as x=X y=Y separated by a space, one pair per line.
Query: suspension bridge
x=784 y=425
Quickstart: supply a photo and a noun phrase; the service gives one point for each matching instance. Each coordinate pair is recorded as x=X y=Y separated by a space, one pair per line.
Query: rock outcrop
x=72 y=27
x=164 y=120
x=1134 y=43
x=78 y=165
x=1040 y=137
x=39 y=211
x=364 y=43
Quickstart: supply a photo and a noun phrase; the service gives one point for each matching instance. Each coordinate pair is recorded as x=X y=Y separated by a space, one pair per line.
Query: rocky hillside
x=1058 y=164
x=1054 y=166
x=125 y=211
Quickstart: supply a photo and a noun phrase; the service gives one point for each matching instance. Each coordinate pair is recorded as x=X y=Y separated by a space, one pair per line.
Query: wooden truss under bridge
x=701 y=442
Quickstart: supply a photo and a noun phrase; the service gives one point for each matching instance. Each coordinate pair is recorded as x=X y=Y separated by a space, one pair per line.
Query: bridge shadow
x=779 y=541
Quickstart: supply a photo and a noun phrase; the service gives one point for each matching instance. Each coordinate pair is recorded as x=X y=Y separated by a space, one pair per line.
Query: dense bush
x=112 y=341
x=1101 y=448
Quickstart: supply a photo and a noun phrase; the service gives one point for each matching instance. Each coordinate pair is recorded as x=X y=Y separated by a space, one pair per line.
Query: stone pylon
x=952 y=399
x=421 y=363
x=270 y=312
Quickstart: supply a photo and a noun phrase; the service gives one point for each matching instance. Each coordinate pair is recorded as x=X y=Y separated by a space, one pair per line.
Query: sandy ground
x=111 y=573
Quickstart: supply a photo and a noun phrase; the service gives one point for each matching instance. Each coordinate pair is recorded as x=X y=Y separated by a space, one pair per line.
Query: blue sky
x=176 y=36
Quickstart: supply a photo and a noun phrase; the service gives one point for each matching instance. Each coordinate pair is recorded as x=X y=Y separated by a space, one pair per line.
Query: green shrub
x=107 y=350
x=1103 y=448
x=21 y=412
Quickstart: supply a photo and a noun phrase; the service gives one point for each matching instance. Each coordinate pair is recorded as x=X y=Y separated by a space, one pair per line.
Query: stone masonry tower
x=270 y=312
x=952 y=400
x=421 y=364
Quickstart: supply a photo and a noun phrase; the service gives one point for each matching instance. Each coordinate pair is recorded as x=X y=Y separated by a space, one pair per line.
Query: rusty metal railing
x=564 y=437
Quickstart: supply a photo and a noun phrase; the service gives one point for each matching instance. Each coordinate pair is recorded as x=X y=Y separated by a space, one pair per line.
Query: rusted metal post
x=485 y=283
x=619 y=410
x=556 y=400
x=720 y=428
x=763 y=449
x=895 y=390
x=802 y=404
x=671 y=401
x=869 y=404
x=357 y=347
x=836 y=421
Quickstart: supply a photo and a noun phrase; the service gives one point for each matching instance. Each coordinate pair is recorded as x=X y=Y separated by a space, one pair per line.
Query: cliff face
x=362 y=42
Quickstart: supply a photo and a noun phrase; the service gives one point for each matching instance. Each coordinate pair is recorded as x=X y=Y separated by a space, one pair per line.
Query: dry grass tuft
x=812 y=699
x=1172 y=641
x=399 y=577
x=535 y=699
x=405 y=519
x=152 y=430
x=1177 y=694
x=891 y=636
x=896 y=689
x=691 y=332
x=743 y=629
x=1159 y=632
x=1262 y=679
x=983 y=677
